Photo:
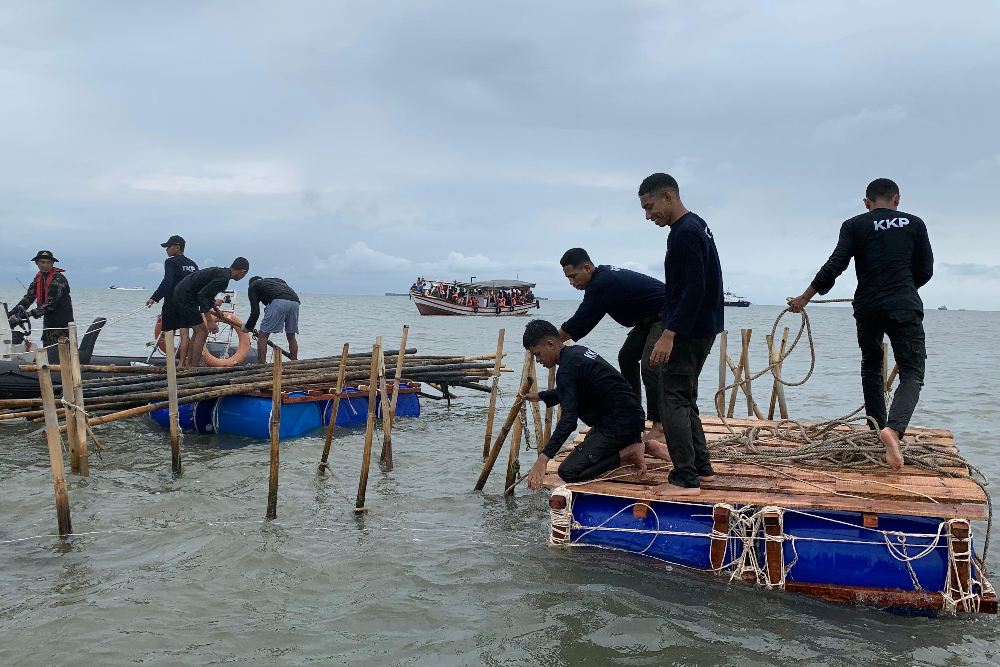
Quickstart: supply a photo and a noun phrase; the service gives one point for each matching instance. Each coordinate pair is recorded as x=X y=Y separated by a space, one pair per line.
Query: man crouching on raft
x=591 y=389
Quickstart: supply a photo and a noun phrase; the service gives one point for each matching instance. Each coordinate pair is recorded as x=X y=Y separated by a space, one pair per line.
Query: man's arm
x=28 y=298
x=254 y=300
x=565 y=427
x=827 y=276
x=587 y=316
x=923 y=259
x=161 y=291
x=205 y=297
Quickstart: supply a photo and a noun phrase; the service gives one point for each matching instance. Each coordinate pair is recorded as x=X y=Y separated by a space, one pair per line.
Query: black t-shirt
x=892 y=257
x=591 y=389
x=175 y=269
x=201 y=287
x=629 y=297
x=693 y=276
x=265 y=291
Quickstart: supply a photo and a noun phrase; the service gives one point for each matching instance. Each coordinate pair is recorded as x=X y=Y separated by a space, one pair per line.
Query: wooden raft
x=910 y=491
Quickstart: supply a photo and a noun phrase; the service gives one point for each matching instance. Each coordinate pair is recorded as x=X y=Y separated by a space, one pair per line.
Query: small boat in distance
x=397 y=294
x=127 y=289
x=731 y=299
x=942 y=307
x=485 y=298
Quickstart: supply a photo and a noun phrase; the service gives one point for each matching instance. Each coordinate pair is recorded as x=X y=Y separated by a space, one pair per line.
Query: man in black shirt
x=175 y=268
x=633 y=300
x=281 y=312
x=195 y=295
x=49 y=292
x=893 y=258
x=692 y=316
x=588 y=388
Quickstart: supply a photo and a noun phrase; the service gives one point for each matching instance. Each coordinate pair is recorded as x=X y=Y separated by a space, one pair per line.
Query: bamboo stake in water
x=79 y=414
x=66 y=378
x=54 y=442
x=359 y=505
x=751 y=405
x=335 y=407
x=272 y=483
x=491 y=459
x=493 y=394
x=173 y=408
x=514 y=455
x=386 y=456
x=782 y=406
x=383 y=394
x=723 y=351
x=536 y=409
x=548 y=410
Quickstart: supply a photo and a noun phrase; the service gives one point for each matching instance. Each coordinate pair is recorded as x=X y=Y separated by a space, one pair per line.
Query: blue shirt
x=693 y=306
x=629 y=297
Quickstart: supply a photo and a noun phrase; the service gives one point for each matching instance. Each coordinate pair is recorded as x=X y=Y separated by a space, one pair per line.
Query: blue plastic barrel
x=250 y=416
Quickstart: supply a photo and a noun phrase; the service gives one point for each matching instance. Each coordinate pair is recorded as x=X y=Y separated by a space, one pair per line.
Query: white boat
x=492 y=298
x=731 y=299
x=127 y=289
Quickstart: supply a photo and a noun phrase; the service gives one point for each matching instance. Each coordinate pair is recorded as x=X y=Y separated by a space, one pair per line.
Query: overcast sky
x=349 y=146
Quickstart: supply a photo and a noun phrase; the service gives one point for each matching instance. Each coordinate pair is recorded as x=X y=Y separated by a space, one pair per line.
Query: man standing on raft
x=195 y=295
x=281 y=312
x=633 y=300
x=692 y=317
x=588 y=388
x=49 y=291
x=893 y=258
x=175 y=268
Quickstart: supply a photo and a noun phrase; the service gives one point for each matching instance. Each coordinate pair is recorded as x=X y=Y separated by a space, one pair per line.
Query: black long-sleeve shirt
x=892 y=257
x=629 y=297
x=51 y=295
x=265 y=291
x=175 y=269
x=693 y=306
x=201 y=287
x=592 y=390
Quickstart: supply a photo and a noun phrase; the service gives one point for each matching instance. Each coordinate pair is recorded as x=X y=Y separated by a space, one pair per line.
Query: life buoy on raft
x=212 y=322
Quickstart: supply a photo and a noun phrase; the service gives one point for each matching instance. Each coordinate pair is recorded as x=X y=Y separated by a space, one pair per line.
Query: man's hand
x=33 y=313
x=537 y=472
x=532 y=396
x=662 y=349
x=149 y=303
x=218 y=302
x=798 y=304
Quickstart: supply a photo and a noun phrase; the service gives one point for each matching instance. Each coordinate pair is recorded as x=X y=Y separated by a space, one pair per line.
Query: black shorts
x=183 y=314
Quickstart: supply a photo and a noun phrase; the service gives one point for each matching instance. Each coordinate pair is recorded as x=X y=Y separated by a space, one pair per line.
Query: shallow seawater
x=184 y=570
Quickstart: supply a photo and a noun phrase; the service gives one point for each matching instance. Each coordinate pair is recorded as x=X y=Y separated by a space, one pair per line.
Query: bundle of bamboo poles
x=128 y=393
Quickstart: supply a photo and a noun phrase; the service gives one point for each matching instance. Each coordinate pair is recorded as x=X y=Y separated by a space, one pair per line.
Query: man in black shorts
x=632 y=299
x=893 y=258
x=591 y=389
x=281 y=313
x=195 y=295
x=175 y=268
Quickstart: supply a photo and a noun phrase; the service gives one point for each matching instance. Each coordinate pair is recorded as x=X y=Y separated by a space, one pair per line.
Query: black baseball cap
x=241 y=264
x=173 y=240
x=44 y=254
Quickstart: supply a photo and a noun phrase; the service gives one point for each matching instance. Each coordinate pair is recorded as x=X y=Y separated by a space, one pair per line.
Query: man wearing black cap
x=281 y=312
x=50 y=293
x=195 y=295
x=175 y=268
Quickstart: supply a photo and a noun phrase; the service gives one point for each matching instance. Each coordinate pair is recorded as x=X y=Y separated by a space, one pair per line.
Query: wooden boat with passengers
x=487 y=298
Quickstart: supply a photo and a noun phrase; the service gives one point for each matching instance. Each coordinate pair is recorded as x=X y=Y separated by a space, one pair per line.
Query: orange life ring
x=242 y=349
x=157 y=330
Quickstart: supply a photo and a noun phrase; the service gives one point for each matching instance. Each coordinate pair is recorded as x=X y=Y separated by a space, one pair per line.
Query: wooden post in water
x=335 y=407
x=175 y=427
x=493 y=394
x=275 y=424
x=738 y=374
x=548 y=411
x=359 y=504
x=54 y=442
x=494 y=453
x=383 y=393
x=66 y=377
x=746 y=371
x=782 y=406
x=720 y=399
x=892 y=378
x=536 y=409
x=386 y=457
x=514 y=455
x=79 y=413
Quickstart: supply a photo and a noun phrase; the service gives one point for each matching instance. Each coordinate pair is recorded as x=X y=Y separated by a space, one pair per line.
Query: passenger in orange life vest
x=50 y=293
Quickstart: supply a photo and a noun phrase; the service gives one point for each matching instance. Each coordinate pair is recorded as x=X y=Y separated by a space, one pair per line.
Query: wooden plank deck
x=909 y=491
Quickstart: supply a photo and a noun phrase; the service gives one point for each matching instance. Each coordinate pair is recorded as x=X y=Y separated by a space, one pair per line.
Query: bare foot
x=893 y=455
x=657 y=449
x=635 y=454
x=654 y=433
x=668 y=490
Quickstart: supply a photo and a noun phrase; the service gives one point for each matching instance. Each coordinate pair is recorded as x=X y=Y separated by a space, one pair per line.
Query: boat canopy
x=488 y=284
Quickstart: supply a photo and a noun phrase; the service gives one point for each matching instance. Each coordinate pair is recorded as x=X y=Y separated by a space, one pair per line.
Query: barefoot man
x=692 y=317
x=893 y=258
x=591 y=389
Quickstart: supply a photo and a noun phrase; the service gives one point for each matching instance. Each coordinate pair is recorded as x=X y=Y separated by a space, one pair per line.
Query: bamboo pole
x=772 y=361
x=383 y=390
x=386 y=456
x=493 y=394
x=275 y=424
x=751 y=406
x=738 y=373
x=885 y=364
x=55 y=443
x=66 y=382
x=548 y=410
x=892 y=378
x=79 y=413
x=359 y=505
x=172 y=406
x=335 y=408
x=494 y=453
x=720 y=395
x=782 y=406
x=536 y=409
x=514 y=454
